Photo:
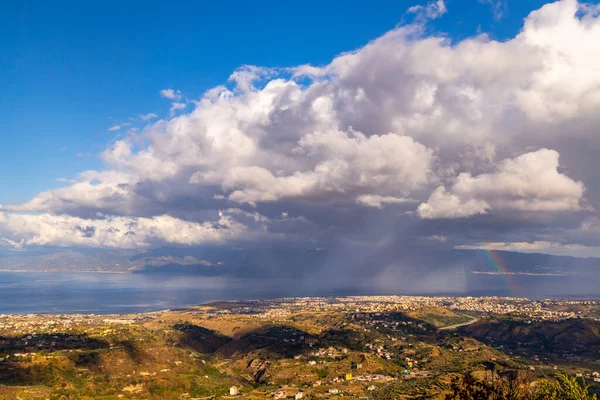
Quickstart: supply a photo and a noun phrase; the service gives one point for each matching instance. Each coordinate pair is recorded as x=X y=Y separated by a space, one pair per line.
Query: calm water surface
x=102 y=293
x=22 y=292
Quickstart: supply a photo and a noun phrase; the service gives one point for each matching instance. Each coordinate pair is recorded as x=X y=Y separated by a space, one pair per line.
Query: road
x=445 y=328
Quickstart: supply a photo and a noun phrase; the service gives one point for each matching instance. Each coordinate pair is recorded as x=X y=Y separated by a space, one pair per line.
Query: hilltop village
x=349 y=347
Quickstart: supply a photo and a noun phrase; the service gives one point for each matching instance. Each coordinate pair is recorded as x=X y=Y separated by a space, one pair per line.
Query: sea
x=117 y=293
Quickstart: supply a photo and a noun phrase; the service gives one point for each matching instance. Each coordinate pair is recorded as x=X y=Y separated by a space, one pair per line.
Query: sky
x=69 y=73
x=356 y=130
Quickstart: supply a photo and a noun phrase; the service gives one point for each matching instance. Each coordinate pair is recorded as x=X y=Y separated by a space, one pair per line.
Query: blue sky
x=69 y=72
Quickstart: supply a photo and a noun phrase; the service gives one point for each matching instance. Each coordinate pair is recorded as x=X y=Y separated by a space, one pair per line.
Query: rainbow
x=497 y=262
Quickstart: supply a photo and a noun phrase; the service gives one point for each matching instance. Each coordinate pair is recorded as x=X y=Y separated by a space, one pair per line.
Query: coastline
x=64 y=272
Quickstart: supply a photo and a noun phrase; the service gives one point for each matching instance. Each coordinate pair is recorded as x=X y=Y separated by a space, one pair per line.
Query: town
x=355 y=347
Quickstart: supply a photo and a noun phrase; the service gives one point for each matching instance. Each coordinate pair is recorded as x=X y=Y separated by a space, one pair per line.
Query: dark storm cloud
x=411 y=142
x=87 y=231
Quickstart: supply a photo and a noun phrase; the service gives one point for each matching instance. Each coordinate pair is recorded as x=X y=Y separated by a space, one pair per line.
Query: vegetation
x=203 y=352
x=515 y=385
x=411 y=387
x=563 y=388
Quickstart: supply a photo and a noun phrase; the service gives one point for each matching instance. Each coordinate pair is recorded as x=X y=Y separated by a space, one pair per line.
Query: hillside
x=354 y=346
x=573 y=336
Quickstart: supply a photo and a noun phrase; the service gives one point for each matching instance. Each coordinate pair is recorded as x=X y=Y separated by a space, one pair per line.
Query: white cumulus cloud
x=20 y=230
x=529 y=182
x=147 y=117
x=410 y=115
x=170 y=94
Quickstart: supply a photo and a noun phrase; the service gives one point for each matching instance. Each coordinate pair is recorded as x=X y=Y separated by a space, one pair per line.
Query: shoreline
x=517 y=273
x=186 y=307
x=64 y=272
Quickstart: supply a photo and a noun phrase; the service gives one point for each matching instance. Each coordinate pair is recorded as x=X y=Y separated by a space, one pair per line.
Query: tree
x=563 y=388
x=469 y=388
x=497 y=385
x=516 y=385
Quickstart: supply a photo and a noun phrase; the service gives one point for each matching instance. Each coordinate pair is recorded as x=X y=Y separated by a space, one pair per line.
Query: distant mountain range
x=284 y=261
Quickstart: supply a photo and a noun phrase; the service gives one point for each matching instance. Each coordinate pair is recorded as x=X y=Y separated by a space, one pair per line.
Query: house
x=298 y=396
x=310 y=340
x=234 y=391
x=280 y=394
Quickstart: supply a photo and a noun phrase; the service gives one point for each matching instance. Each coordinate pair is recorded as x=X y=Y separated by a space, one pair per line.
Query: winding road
x=445 y=328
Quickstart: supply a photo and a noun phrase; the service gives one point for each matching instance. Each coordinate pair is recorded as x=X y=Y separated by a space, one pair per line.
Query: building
x=298 y=396
x=310 y=340
x=234 y=391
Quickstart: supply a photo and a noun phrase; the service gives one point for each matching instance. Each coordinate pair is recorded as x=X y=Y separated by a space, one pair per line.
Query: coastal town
x=280 y=309
x=548 y=309
x=313 y=347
